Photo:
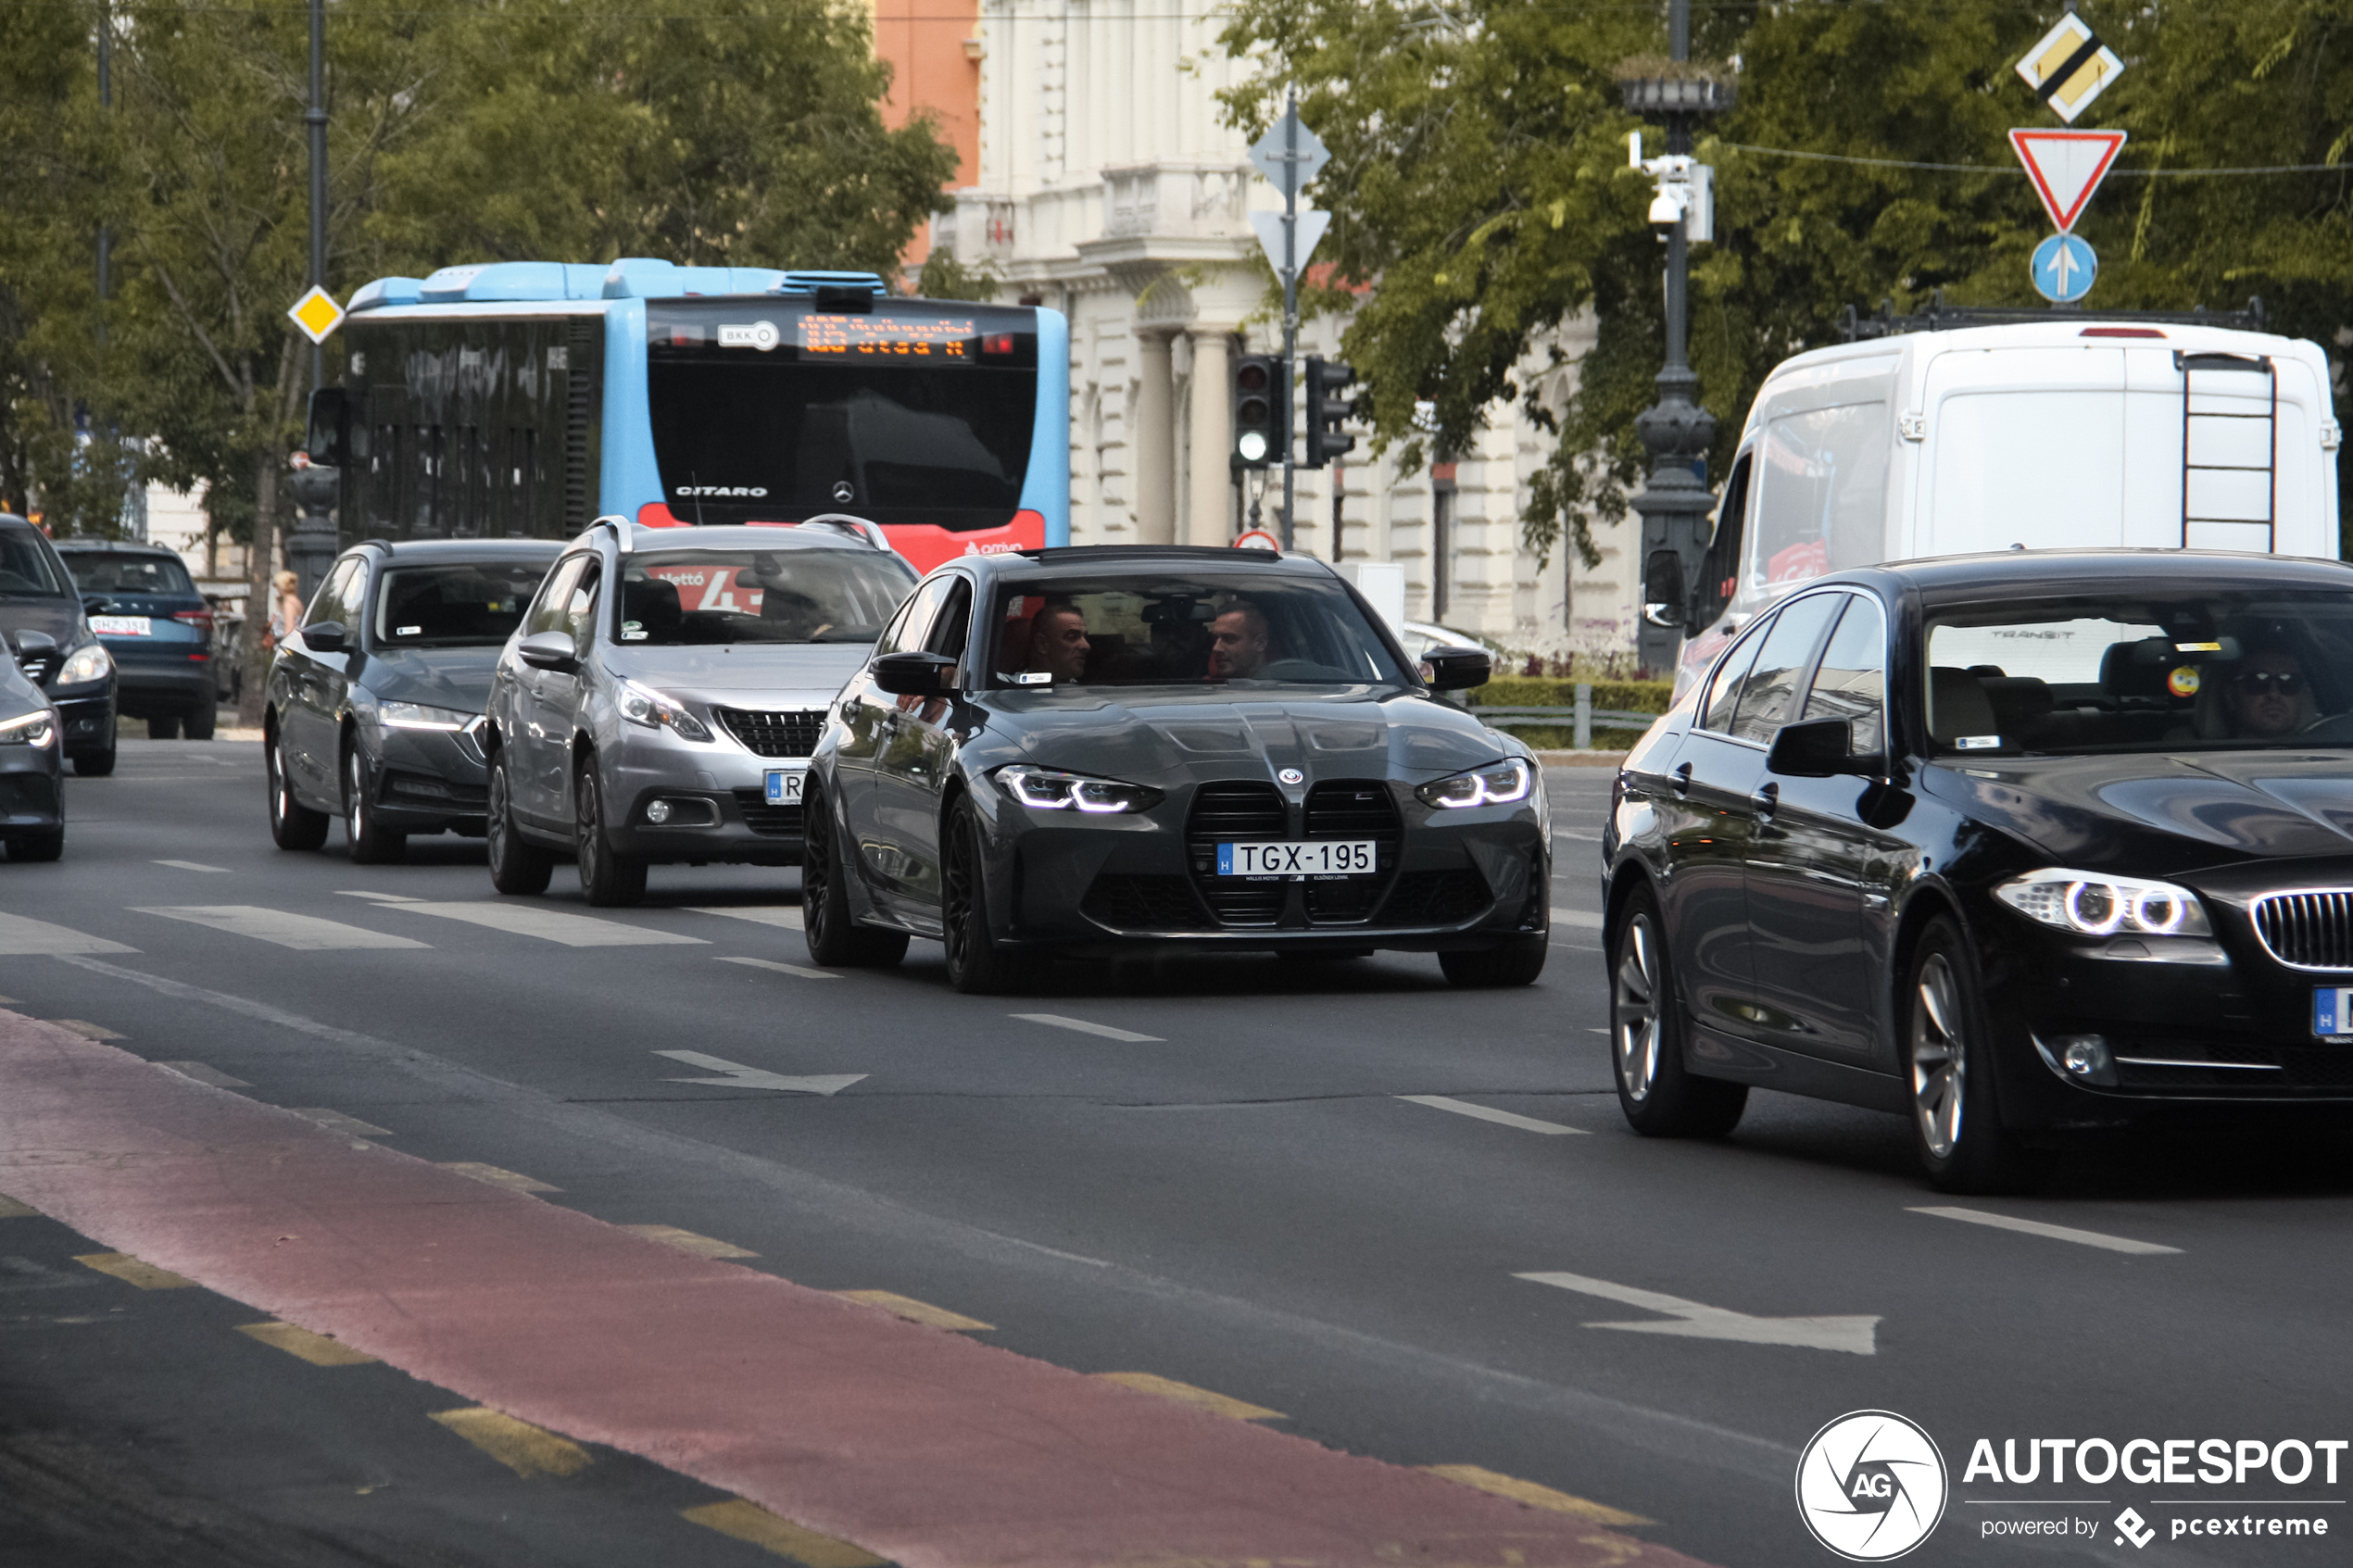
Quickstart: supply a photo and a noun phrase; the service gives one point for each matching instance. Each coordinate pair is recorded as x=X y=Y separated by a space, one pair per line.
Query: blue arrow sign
x=2063 y=268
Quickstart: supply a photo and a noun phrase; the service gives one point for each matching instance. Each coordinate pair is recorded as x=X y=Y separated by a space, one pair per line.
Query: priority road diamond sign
x=317 y=314
x=2067 y=167
x=2069 y=68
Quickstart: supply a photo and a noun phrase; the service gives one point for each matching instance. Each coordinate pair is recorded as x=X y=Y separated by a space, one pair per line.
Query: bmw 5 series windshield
x=1243 y=631
x=2141 y=673
x=470 y=605
x=673 y=598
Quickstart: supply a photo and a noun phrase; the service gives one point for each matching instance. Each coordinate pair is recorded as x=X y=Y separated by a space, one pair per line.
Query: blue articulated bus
x=528 y=398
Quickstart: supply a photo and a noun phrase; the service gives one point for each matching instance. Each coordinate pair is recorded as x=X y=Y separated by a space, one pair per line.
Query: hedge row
x=1629 y=696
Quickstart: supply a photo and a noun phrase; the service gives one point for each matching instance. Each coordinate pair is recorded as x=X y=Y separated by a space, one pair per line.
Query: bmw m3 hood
x=2180 y=809
x=1155 y=734
x=457 y=678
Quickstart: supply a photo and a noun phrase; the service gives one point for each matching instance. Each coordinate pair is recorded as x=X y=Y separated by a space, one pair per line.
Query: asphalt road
x=1215 y=1172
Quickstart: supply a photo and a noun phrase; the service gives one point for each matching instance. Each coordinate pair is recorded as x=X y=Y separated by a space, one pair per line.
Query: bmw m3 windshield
x=1153 y=629
x=2139 y=673
x=675 y=597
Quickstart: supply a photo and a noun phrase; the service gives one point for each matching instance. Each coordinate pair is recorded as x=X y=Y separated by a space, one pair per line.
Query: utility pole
x=317 y=120
x=1290 y=298
x=311 y=545
x=106 y=101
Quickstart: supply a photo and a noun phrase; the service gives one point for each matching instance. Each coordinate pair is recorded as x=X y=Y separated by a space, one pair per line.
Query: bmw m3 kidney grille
x=1224 y=813
x=774 y=734
x=1354 y=809
x=2307 y=929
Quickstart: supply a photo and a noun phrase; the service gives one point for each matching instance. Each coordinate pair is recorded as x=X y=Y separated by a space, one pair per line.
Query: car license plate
x=2333 y=1011
x=1352 y=857
x=122 y=625
x=784 y=785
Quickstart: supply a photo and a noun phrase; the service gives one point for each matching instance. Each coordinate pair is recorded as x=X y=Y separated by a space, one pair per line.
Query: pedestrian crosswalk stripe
x=549 y=926
x=786 y=915
x=302 y=932
x=19 y=935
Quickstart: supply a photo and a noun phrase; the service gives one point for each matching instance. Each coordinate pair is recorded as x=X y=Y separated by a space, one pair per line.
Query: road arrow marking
x=736 y=1075
x=1854 y=1334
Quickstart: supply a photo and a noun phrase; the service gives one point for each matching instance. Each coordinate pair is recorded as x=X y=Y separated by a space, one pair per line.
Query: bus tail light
x=994 y=345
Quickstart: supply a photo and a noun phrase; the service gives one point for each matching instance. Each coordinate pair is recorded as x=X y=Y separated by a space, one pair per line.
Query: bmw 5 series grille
x=774 y=734
x=1223 y=812
x=2307 y=929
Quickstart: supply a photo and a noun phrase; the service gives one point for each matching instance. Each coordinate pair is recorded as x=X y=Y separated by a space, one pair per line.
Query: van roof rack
x=1940 y=316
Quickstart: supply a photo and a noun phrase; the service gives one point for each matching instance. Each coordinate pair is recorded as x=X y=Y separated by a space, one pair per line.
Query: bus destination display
x=875 y=337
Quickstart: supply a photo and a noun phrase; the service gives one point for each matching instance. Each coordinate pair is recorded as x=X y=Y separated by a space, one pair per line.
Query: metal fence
x=1581 y=716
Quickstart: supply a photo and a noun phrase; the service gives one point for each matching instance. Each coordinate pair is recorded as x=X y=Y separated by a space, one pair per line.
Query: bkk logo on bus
x=761 y=335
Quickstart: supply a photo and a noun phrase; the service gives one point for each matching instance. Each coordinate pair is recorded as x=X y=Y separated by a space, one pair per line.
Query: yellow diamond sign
x=2069 y=67
x=317 y=314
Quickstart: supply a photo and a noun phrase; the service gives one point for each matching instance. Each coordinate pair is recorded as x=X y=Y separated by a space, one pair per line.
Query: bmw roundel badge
x=1292 y=776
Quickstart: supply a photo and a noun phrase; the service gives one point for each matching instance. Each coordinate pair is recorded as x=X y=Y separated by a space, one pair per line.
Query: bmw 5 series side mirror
x=914 y=674
x=549 y=650
x=1455 y=669
x=326 y=636
x=1818 y=748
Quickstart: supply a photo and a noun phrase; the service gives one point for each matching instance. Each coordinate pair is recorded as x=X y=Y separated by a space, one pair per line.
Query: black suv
x=147 y=612
x=42 y=617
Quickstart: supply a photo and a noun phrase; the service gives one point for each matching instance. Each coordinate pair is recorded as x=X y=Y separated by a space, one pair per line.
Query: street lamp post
x=311 y=547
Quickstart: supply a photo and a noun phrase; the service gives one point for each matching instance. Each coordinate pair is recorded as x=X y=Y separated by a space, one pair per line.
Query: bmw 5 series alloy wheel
x=1660 y=1096
x=1939 y=1059
x=1956 y=1119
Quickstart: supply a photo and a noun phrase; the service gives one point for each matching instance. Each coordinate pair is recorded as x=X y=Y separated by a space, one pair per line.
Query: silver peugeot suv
x=660 y=698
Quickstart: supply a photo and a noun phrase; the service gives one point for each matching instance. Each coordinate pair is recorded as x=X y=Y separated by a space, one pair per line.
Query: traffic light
x=1262 y=411
x=1327 y=412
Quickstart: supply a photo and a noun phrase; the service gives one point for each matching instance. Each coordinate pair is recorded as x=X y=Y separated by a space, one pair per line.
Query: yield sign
x=2067 y=167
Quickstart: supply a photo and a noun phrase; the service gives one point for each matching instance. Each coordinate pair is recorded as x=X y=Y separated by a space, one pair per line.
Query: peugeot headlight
x=643 y=705
x=2094 y=904
x=418 y=716
x=89 y=664
x=1498 y=783
x=35 y=729
x=1050 y=789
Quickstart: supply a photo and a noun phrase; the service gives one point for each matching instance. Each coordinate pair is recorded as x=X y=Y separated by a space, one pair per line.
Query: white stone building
x=1110 y=189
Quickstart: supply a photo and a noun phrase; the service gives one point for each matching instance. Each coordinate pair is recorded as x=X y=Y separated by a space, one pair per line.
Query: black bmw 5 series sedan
x=2011 y=845
x=1082 y=750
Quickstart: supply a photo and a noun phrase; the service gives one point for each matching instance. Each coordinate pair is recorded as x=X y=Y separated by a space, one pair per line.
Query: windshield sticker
x=2197 y=647
x=1032 y=678
x=632 y=632
x=1977 y=743
x=2183 y=682
x=761 y=335
x=413 y=631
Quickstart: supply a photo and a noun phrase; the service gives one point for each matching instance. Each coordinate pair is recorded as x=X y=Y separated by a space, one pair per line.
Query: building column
x=1211 y=522
x=1155 y=437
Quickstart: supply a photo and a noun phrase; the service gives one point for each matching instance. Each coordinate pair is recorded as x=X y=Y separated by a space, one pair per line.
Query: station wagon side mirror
x=1455 y=669
x=326 y=636
x=1819 y=748
x=914 y=674
x=549 y=650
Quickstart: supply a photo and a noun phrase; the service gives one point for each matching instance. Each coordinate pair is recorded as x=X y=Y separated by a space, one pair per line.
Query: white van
x=2064 y=434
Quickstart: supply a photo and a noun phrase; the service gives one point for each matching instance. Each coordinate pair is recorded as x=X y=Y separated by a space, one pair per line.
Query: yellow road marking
x=526 y=1449
x=917 y=1312
x=750 y=1521
x=336 y=1122
x=11 y=1209
x=316 y=1348
x=687 y=1241
x=1535 y=1496
x=128 y=1269
x=88 y=1030
x=496 y=1176
x=1186 y=1394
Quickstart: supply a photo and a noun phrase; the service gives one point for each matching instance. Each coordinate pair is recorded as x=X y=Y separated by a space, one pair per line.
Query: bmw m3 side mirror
x=914 y=674
x=1818 y=749
x=1455 y=669
x=326 y=636
x=549 y=650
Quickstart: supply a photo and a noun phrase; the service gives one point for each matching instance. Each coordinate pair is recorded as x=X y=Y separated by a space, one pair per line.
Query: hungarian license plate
x=784 y=785
x=2333 y=1011
x=122 y=625
x=1352 y=857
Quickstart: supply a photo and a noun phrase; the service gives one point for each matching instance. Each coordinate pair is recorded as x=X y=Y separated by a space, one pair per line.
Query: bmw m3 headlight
x=418 y=716
x=2094 y=904
x=643 y=705
x=89 y=664
x=29 y=729
x=1499 y=784
x=1050 y=789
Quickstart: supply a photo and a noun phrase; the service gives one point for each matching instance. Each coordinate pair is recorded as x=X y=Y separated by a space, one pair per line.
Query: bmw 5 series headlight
x=420 y=716
x=1050 y=789
x=2095 y=904
x=89 y=664
x=643 y=705
x=29 y=729
x=1499 y=784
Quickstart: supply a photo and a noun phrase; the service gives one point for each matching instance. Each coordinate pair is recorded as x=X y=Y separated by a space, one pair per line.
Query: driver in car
x=1058 y=644
x=2269 y=698
x=1237 y=643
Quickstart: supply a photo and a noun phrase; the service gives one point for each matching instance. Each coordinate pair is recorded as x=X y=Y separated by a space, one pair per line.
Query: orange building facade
x=934 y=54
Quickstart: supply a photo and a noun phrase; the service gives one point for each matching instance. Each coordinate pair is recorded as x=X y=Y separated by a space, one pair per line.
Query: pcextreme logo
x=1871 y=1486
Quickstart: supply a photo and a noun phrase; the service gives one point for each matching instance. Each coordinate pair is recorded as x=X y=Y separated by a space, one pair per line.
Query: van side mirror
x=1664 y=598
x=1819 y=748
x=329 y=428
x=914 y=674
x=1455 y=670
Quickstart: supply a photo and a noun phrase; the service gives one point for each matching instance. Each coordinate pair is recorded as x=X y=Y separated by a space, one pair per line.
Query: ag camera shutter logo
x=1871 y=1486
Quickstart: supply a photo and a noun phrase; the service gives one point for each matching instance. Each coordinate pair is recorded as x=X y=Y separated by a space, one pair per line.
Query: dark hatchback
x=42 y=614
x=33 y=804
x=146 y=609
x=1080 y=751
x=2011 y=845
x=374 y=709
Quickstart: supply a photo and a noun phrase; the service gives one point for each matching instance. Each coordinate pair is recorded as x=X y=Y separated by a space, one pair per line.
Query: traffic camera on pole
x=1685 y=192
x=1327 y=411
x=1262 y=411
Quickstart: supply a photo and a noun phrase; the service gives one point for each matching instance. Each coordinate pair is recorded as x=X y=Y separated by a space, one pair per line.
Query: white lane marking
x=1501 y=1117
x=192 y=866
x=550 y=925
x=1597 y=1028
x=203 y=1074
x=303 y=933
x=801 y=970
x=786 y=915
x=2056 y=1232
x=1581 y=918
x=19 y=935
x=1056 y=1021
x=336 y=1122
x=379 y=898
x=736 y=1075
x=1579 y=837
x=1855 y=1335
